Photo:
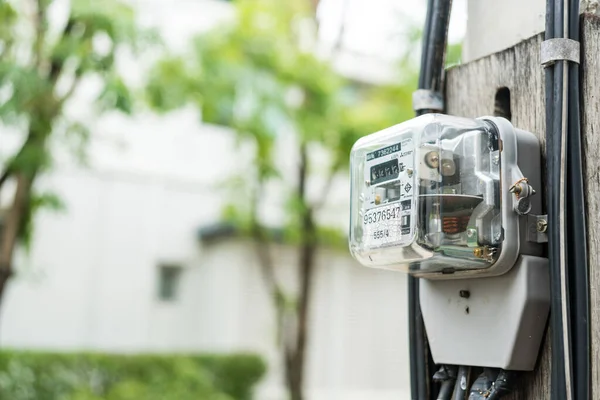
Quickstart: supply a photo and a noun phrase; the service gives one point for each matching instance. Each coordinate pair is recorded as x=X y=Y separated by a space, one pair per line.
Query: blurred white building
x=123 y=268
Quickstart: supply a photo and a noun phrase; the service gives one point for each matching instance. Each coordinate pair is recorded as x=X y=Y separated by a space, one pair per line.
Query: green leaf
x=77 y=138
x=38 y=201
x=171 y=85
x=115 y=96
x=113 y=17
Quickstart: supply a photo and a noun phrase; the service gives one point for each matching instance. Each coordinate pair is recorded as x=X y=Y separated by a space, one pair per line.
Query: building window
x=168 y=282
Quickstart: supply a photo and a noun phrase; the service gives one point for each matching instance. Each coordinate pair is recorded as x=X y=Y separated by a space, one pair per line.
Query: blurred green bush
x=91 y=376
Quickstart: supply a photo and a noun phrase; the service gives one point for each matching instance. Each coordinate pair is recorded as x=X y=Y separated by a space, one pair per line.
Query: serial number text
x=381 y=215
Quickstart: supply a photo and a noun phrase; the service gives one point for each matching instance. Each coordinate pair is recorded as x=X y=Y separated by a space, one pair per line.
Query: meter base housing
x=493 y=322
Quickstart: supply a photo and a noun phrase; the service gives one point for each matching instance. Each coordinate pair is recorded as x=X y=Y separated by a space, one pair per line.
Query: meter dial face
x=389 y=195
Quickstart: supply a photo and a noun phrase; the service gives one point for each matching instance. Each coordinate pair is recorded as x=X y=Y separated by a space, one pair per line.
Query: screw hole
x=467 y=310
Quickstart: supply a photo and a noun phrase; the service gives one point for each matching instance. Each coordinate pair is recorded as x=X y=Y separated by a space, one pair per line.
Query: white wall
x=90 y=278
x=494 y=25
x=497 y=25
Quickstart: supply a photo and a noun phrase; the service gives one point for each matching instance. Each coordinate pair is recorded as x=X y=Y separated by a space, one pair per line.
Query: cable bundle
x=567 y=250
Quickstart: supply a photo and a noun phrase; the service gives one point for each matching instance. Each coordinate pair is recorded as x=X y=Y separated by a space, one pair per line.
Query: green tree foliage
x=49 y=376
x=254 y=76
x=42 y=62
x=453 y=54
x=260 y=76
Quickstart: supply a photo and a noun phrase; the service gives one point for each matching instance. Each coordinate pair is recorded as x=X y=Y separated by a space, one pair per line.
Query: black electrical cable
x=445 y=376
x=433 y=56
x=418 y=370
x=576 y=226
x=430 y=77
x=492 y=384
x=481 y=386
x=552 y=211
x=418 y=359
x=557 y=124
x=434 y=69
x=445 y=392
x=416 y=337
x=425 y=39
x=572 y=351
x=502 y=385
x=554 y=112
x=462 y=381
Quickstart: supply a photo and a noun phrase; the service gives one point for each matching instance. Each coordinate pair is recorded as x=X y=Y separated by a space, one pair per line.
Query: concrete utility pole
x=510 y=83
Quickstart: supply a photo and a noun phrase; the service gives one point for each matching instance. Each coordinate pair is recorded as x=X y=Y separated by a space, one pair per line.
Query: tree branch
x=5 y=175
x=324 y=193
x=265 y=260
x=41 y=119
x=306 y=265
x=71 y=90
x=267 y=266
x=12 y=227
x=57 y=65
x=7 y=48
x=339 y=41
x=315 y=6
x=39 y=27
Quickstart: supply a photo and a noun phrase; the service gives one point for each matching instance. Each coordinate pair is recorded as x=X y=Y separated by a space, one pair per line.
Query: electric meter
x=445 y=199
x=433 y=196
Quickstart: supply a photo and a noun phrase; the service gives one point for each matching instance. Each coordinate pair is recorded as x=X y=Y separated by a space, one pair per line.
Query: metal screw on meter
x=542 y=225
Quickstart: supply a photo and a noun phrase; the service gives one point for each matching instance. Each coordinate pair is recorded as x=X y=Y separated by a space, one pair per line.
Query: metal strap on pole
x=424 y=99
x=559 y=49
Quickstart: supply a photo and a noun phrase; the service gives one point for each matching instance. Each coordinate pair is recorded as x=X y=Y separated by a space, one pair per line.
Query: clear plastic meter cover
x=425 y=195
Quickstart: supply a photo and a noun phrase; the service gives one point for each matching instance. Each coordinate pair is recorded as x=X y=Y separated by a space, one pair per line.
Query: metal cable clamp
x=424 y=99
x=559 y=49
